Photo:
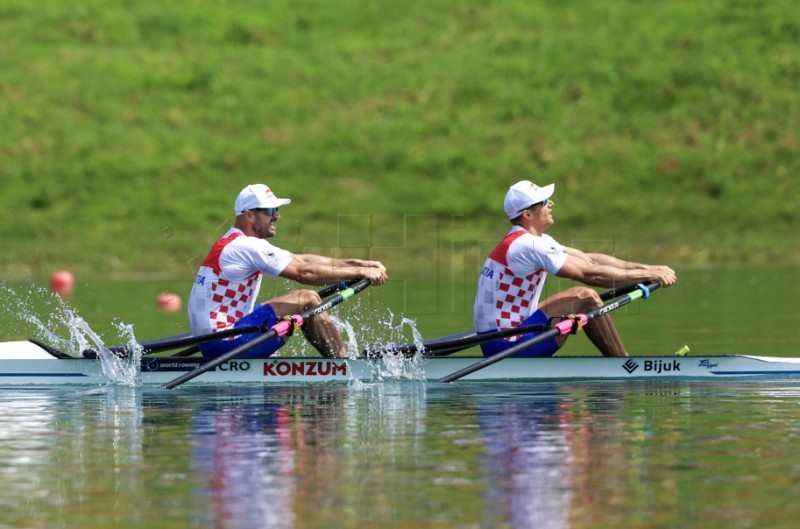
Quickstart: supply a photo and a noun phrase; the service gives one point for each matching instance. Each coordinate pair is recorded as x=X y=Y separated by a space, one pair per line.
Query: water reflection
x=55 y=447
x=527 y=460
x=244 y=452
x=283 y=456
x=401 y=454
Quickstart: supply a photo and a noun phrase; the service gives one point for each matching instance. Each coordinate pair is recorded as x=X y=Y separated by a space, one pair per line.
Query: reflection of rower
x=239 y=450
x=528 y=461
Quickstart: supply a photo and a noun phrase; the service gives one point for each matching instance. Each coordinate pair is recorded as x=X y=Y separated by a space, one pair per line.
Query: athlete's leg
x=319 y=330
x=601 y=331
x=549 y=347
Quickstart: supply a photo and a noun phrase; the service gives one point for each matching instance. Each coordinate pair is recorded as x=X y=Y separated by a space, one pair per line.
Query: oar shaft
x=196 y=340
x=619 y=291
x=324 y=292
x=439 y=346
x=561 y=328
x=489 y=360
x=280 y=329
x=214 y=362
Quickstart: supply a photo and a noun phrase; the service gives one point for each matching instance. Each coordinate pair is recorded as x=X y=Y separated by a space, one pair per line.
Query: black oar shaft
x=196 y=340
x=308 y=313
x=616 y=292
x=439 y=346
x=552 y=333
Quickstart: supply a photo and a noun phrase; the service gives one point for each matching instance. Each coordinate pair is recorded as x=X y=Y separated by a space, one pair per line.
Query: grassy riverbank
x=669 y=127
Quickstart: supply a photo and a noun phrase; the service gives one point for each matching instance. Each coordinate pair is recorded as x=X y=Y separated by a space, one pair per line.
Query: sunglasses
x=267 y=211
x=542 y=203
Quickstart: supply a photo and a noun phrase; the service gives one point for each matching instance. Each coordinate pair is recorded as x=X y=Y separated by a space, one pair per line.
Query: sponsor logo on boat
x=657 y=366
x=236 y=365
x=630 y=366
x=708 y=364
x=324 y=368
x=170 y=364
x=661 y=366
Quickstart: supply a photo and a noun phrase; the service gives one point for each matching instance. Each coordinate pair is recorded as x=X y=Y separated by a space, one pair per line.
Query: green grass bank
x=670 y=127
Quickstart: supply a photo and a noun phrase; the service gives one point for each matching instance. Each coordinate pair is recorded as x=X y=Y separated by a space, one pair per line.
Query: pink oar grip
x=565 y=326
x=282 y=327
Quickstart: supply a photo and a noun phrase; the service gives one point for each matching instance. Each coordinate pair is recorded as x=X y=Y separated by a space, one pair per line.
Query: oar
x=281 y=328
x=457 y=342
x=186 y=339
x=449 y=344
x=559 y=329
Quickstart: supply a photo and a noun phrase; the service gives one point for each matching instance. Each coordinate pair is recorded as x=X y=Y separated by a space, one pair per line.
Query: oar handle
x=619 y=291
x=561 y=328
x=279 y=329
x=324 y=292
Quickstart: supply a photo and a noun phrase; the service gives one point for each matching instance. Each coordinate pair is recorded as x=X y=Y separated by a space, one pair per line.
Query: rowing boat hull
x=24 y=363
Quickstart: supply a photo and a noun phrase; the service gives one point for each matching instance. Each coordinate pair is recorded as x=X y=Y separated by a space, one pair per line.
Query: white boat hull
x=25 y=363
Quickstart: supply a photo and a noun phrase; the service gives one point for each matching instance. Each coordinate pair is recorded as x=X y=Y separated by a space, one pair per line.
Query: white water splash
x=123 y=370
x=347 y=331
x=399 y=366
x=64 y=319
x=392 y=366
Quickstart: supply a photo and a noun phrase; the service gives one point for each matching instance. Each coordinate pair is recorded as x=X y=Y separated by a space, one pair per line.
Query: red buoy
x=62 y=283
x=168 y=302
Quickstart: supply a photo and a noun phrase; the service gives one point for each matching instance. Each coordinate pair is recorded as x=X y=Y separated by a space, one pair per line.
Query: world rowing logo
x=630 y=366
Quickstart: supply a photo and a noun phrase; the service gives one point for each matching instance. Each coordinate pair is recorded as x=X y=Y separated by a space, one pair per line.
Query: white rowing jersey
x=228 y=282
x=512 y=279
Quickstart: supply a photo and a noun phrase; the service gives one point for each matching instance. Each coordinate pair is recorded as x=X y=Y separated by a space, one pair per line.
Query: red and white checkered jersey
x=228 y=282
x=512 y=279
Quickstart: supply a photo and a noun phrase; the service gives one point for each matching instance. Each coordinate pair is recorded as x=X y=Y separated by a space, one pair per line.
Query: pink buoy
x=62 y=283
x=168 y=302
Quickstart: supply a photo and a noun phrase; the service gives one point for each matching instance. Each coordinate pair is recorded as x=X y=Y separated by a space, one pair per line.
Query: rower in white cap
x=512 y=279
x=228 y=282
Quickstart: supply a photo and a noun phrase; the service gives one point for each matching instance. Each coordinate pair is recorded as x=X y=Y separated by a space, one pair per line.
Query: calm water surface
x=403 y=454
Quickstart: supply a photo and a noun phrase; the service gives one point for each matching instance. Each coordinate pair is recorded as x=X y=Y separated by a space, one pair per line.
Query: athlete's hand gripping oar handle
x=453 y=344
x=561 y=328
x=282 y=328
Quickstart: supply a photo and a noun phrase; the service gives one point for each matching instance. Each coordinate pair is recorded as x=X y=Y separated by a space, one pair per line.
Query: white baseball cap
x=523 y=195
x=257 y=196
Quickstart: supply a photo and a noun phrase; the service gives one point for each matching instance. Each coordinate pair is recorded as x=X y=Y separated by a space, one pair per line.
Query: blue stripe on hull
x=753 y=373
x=42 y=375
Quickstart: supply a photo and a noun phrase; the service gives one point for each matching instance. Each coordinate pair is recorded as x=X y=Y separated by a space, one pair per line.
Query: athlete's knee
x=308 y=298
x=588 y=298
